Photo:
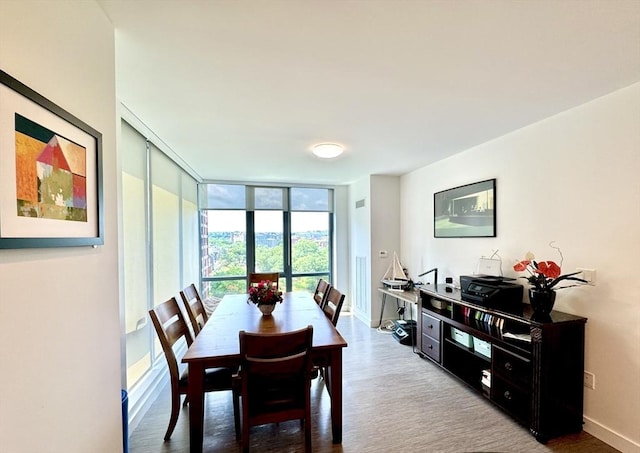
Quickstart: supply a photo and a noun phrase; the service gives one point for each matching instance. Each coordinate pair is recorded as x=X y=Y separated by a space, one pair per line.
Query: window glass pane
x=306 y=199
x=137 y=327
x=309 y=242
x=307 y=283
x=190 y=236
x=268 y=242
x=269 y=198
x=134 y=152
x=308 y=246
x=165 y=218
x=223 y=196
x=165 y=222
x=218 y=289
x=225 y=252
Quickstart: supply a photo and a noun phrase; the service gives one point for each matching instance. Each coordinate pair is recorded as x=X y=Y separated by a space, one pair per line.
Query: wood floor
x=393 y=401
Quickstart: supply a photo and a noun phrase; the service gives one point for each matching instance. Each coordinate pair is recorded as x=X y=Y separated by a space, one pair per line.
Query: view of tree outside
x=309 y=248
x=269 y=242
x=225 y=253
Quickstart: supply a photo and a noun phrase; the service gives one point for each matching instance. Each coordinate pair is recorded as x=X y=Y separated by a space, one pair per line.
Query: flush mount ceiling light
x=327 y=150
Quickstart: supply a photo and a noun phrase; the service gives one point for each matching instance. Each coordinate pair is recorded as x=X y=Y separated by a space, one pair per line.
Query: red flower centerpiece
x=265 y=295
x=544 y=276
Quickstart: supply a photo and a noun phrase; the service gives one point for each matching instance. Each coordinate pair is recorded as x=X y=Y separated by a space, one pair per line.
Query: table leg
x=335 y=373
x=196 y=406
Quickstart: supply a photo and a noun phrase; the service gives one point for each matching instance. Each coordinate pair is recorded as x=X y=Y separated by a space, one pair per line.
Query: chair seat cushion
x=214 y=379
x=276 y=395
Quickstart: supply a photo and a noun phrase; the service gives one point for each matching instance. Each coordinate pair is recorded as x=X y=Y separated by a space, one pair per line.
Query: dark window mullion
x=286 y=249
x=251 y=242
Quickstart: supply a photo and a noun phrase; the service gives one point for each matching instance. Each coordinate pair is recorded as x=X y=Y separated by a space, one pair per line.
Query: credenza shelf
x=538 y=382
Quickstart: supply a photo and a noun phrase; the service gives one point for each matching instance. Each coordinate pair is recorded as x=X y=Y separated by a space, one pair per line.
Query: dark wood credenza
x=538 y=382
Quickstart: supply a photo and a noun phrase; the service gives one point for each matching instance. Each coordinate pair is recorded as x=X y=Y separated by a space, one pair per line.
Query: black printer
x=492 y=292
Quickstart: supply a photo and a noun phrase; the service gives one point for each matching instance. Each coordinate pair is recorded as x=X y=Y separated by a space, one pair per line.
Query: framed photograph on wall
x=466 y=211
x=50 y=173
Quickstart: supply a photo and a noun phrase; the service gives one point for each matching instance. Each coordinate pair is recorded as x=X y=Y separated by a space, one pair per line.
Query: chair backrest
x=194 y=307
x=272 y=345
x=276 y=363
x=170 y=326
x=321 y=292
x=333 y=305
x=275 y=375
x=257 y=277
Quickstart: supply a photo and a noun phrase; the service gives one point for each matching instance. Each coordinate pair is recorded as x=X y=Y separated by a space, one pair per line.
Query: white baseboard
x=364 y=318
x=610 y=437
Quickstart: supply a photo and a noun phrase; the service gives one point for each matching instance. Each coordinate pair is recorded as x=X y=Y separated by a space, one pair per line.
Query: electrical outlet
x=587 y=274
x=589 y=380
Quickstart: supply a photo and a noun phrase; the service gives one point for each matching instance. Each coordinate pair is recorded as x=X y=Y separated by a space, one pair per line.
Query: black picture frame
x=467 y=211
x=73 y=155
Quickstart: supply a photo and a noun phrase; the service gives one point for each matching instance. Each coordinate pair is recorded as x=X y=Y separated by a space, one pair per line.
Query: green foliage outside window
x=308 y=255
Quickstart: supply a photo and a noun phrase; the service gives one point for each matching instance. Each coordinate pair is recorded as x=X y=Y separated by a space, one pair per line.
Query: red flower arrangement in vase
x=544 y=276
x=265 y=295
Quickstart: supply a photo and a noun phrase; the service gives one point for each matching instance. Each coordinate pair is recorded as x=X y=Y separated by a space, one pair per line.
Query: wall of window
x=159 y=253
x=248 y=229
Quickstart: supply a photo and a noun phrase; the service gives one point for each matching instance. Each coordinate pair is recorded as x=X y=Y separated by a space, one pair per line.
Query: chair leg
x=245 y=426
x=175 y=411
x=327 y=378
x=236 y=413
x=307 y=434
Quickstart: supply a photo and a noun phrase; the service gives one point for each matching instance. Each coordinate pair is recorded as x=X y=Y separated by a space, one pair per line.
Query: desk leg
x=413 y=337
x=384 y=300
x=196 y=407
x=335 y=372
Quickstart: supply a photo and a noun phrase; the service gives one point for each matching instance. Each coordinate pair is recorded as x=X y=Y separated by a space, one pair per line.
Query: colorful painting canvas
x=51 y=173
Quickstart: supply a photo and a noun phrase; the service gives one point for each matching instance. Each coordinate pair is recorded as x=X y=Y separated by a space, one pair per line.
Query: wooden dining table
x=217 y=345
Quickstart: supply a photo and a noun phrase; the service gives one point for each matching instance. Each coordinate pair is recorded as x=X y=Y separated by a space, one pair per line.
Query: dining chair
x=171 y=327
x=257 y=277
x=275 y=380
x=194 y=308
x=321 y=292
x=333 y=305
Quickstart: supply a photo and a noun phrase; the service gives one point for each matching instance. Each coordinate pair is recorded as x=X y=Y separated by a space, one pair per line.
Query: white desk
x=411 y=296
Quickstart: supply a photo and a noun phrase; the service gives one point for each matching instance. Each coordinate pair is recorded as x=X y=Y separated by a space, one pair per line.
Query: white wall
x=385 y=236
x=341 y=271
x=374 y=227
x=360 y=244
x=60 y=380
x=572 y=179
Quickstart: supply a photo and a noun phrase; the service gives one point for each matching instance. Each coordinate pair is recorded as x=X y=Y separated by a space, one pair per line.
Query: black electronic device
x=448 y=284
x=493 y=292
x=404 y=331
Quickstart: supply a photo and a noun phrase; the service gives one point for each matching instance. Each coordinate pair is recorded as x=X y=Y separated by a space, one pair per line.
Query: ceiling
x=241 y=90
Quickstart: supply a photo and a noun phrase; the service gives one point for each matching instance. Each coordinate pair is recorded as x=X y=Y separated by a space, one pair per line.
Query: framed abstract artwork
x=50 y=173
x=467 y=211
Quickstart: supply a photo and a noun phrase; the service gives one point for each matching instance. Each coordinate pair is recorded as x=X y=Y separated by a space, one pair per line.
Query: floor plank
x=393 y=401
